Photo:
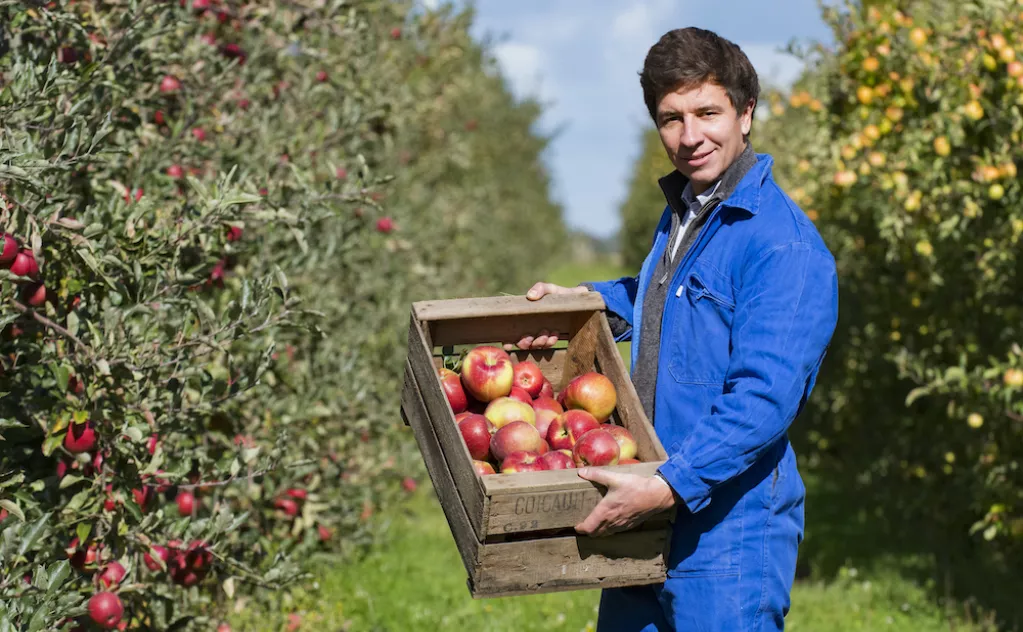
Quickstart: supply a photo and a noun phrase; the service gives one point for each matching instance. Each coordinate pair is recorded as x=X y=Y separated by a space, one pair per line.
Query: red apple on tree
x=626 y=442
x=25 y=265
x=156 y=552
x=106 y=610
x=521 y=462
x=8 y=250
x=529 y=378
x=596 y=447
x=83 y=560
x=483 y=468
x=169 y=84
x=568 y=427
x=452 y=386
x=80 y=438
x=34 y=294
x=288 y=506
x=186 y=503
x=476 y=432
x=518 y=436
x=504 y=410
x=591 y=392
x=487 y=373
x=557 y=460
x=112 y=574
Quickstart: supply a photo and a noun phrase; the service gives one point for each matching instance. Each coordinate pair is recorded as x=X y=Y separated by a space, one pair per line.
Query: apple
x=189 y=566
x=483 y=468
x=112 y=574
x=34 y=294
x=628 y=461
x=151 y=443
x=476 y=432
x=504 y=410
x=25 y=265
x=321 y=76
x=199 y=134
x=596 y=447
x=296 y=493
x=83 y=560
x=452 y=386
x=626 y=442
x=521 y=462
x=487 y=373
x=521 y=395
x=529 y=377
x=557 y=460
x=593 y=393
x=169 y=84
x=324 y=533
x=176 y=172
x=233 y=233
x=518 y=436
x=150 y=558
x=186 y=503
x=460 y=416
x=106 y=610
x=568 y=427
x=546 y=409
x=9 y=250
x=385 y=225
x=80 y=438
x=287 y=505
x=547 y=390
x=409 y=484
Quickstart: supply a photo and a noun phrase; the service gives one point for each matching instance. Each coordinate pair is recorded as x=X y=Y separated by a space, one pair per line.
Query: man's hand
x=544 y=339
x=630 y=500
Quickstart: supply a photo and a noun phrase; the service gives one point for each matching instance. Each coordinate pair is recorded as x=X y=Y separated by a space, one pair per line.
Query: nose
x=691 y=136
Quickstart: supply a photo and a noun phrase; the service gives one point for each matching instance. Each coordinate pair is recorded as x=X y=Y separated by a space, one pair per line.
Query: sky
x=582 y=59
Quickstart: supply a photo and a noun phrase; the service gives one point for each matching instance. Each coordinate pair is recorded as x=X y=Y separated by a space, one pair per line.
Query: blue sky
x=582 y=58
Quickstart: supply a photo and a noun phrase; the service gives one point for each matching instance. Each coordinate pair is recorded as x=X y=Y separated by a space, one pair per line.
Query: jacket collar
x=740 y=184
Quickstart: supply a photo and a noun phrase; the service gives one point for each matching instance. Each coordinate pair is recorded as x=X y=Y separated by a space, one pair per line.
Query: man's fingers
x=525 y=342
x=552 y=340
x=599 y=476
x=537 y=291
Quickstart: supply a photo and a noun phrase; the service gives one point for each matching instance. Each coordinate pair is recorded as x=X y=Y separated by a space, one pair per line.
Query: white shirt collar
x=701 y=199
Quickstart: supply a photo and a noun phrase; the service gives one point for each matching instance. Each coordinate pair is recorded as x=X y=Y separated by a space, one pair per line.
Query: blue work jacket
x=747 y=321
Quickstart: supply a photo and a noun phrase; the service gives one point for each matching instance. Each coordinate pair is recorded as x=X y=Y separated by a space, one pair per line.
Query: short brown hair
x=686 y=58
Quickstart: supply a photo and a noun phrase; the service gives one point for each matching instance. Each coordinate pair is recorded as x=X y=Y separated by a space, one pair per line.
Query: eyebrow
x=698 y=110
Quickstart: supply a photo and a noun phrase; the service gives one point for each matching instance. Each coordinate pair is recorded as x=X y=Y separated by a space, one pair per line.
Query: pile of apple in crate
x=511 y=421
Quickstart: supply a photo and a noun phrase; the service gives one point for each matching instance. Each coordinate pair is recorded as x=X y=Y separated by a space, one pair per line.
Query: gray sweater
x=644 y=373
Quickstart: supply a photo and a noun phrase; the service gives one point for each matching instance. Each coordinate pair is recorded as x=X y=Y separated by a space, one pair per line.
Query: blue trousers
x=731 y=565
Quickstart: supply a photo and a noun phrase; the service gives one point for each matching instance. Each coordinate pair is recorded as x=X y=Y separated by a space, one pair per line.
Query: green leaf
x=69 y=480
x=58 y=573
x=28 y=538
x=12 y=507
x=72 y=323
x=51 y=443
x=83 y=530
x=134 y=433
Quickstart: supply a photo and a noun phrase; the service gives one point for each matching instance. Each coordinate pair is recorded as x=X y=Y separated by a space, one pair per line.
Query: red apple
x=521 y=395
x=106 y=610
x=568 y=427
x=83 y=560
x=321 y=76
x=160 y=552
x=9 y=250
x=112 y=574
x=288 y=506
x=385 y=225
x=233 y=233
x=547 y=390
x=151 y=443
x=452 y=386
x=324 y=533
x=596 y=447
x=460 y=416
x=80 y=438
x=297 y=494
x=34 y=294
x=476 y=432
x=521 y=462
x=409 y=484
x=546 y=409
x=169 y=84
x=557 y=460
x=628 y=461
x=544 y=447
x=483 y=468
x=626 y=442
x=593 y=393
x=518 y=436
x=176 y=172
x=186 y=503
x=529 y=377
x=25 y=265
x=487 y=373
x=504 y=410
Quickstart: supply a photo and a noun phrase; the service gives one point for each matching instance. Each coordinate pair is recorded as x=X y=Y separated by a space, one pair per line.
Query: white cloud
x=523 y=65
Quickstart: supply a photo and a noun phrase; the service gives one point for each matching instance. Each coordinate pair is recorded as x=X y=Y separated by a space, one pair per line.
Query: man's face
x=702 y=132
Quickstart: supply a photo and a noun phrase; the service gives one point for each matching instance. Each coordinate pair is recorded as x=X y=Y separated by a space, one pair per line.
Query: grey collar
x=673 y=184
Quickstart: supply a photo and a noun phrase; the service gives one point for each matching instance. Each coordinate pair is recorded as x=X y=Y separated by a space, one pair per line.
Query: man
x=730 y=318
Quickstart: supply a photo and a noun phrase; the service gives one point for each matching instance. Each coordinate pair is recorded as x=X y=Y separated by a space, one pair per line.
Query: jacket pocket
x=701 y=327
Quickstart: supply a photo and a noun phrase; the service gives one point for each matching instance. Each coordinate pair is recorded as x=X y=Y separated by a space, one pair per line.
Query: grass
x=413 y=579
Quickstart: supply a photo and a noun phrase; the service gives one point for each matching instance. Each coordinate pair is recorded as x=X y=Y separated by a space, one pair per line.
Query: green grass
x=413 y=579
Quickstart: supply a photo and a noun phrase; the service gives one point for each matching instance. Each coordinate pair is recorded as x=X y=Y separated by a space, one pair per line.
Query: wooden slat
x=501 y=329
x=550 y=362
x=581 y=351
x=557 y=505
x=629 y=411
x=414 y=412
x=557 y=480
x=572 y=562
x=491 y=306
x=456 y=455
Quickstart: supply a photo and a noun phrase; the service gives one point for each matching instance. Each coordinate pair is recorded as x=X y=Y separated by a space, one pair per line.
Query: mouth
x=699 y=159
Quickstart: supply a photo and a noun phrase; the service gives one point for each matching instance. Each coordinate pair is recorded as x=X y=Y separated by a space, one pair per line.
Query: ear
x=747 y=117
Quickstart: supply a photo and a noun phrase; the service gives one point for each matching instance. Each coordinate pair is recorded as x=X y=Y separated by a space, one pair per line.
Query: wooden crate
x=515 y=531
